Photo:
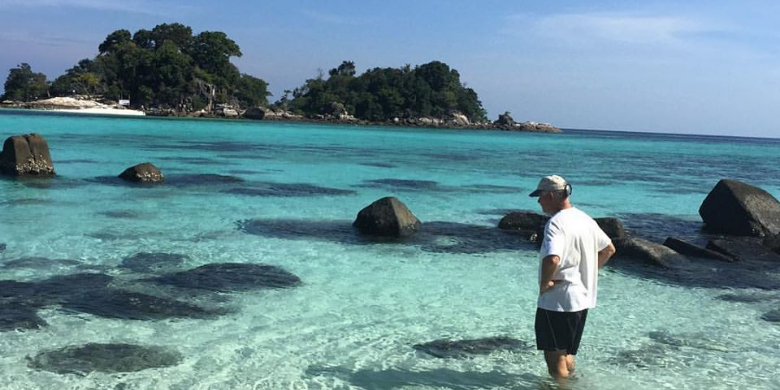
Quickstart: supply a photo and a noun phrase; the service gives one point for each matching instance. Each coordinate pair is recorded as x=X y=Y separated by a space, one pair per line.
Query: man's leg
x=557 y=363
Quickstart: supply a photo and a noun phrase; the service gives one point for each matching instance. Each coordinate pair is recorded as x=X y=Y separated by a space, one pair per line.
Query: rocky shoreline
x=455 y=121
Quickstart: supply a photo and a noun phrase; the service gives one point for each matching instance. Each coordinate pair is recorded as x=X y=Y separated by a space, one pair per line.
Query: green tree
x=23 y=84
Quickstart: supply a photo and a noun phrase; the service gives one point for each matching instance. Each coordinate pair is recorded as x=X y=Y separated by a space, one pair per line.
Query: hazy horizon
x=702 y=67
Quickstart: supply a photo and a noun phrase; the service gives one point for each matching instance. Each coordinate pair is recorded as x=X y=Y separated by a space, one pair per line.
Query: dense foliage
x=165 y=67
x=381 y=94
x=23 y=84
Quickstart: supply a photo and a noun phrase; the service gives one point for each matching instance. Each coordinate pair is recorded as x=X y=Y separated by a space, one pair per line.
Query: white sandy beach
x=77 y=106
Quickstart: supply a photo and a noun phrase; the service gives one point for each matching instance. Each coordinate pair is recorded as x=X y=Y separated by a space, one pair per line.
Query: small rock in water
x=772 y=316
x=227 y=277
x=2 y=247
x=446 y=348
x=154 y=262
x=108 y=358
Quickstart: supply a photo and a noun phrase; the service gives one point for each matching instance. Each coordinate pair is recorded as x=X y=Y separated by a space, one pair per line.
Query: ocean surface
x=285 y=195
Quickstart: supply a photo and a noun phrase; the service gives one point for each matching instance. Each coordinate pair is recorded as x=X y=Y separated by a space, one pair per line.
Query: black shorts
x=559 y=330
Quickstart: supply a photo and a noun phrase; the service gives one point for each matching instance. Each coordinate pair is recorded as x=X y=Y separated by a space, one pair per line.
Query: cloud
x=127 y=6
x=324 y=17
x=578 y=29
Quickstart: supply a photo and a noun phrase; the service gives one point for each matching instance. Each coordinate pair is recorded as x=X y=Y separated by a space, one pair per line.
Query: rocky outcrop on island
x=740 y=209
x=142 y=173
x=26 y=155
x=506 y=122
x=387 y=217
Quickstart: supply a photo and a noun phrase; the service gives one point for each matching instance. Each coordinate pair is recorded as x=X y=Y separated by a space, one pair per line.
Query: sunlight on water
x=287 y=196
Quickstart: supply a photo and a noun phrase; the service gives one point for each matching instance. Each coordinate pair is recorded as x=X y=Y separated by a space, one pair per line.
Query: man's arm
x=549 y=265
x=605 y=254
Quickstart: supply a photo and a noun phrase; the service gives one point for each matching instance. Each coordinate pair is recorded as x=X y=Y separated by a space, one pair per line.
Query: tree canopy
x=165 y=67
x=381 y=94
x=23 y=84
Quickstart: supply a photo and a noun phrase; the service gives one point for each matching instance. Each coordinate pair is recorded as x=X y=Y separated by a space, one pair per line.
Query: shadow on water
x=438 y=378
x=441 y=237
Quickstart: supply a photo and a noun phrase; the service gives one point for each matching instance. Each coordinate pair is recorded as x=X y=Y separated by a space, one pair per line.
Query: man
x=573 y=249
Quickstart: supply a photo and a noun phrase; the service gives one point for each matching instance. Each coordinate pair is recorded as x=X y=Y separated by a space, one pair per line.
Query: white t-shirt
x=576 y=238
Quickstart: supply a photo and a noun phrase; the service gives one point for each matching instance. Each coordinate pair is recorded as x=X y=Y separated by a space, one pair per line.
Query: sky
x=695 y=66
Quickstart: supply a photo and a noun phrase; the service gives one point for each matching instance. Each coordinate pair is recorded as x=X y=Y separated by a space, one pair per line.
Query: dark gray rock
x=446 y=348
x=25 y=155
x=646 y=251
x=688 y=249
x=611 y=226
x=386 y=217
x=107 y=358
x=530 y=224
x=111 y=303
x=142 y=173
x=15 y=316
x=256 y=113
x=743 y=248
x=737 y=208
x=154 y=262
x=772 y=316
x=227 y=277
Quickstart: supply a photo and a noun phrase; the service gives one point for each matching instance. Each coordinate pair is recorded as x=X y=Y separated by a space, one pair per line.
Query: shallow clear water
x=363 y=305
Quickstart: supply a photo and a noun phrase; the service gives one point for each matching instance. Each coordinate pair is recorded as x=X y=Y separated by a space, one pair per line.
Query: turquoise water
x=362 y=305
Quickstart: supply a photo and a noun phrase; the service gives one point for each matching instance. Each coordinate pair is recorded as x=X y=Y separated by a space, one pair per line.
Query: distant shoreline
x=530 y=127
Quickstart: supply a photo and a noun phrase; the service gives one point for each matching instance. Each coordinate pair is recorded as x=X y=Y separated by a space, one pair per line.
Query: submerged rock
x=386 y=217
x=446 y=348
x=743 y=249
x=107 y=358
x=772 y=316
x=227 y=277
x=111 y=303
x=14 y=316
x=646 y=251
x=737 y=208
x=688 y=249
x=144 y=173
x=25 y=155
x=154 y=262
x=2 y=246
x=530 y=224
x=692 y=340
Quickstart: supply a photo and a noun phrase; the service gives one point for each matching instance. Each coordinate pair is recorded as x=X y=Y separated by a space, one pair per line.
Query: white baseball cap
x=550 y=183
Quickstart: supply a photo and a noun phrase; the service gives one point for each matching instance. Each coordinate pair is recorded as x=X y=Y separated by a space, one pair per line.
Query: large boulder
x=733 y=207
x=143 y=173
x=527 y=222
x=647 y=252
x=24 y=155
x=387 y=217
x=612 y=226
